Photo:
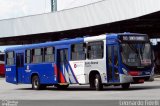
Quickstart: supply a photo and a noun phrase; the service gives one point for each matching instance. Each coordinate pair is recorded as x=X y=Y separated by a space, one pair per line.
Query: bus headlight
x=124 y=71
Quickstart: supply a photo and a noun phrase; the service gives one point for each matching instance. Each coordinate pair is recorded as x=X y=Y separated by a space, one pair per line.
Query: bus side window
x=10 y=58
x=49 y=54
x=28 y=56
x=78 y=51
x=37 y=56
x=95 y=50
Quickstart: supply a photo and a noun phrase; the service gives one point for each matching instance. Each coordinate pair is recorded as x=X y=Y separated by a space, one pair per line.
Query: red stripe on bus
x=61 y=76
x=55 y=70
x=62 y=79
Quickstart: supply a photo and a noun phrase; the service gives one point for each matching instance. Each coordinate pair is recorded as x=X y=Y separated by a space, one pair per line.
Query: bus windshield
x=136 y=54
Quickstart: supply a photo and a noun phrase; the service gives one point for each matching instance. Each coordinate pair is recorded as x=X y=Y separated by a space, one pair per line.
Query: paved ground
x=148 y=90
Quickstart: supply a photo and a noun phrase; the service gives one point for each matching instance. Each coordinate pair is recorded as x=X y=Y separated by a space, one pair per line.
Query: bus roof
x=67 y=41
x=52 y=43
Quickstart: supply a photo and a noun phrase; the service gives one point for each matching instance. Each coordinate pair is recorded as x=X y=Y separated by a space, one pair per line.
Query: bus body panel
x=45 y=72
x=113 y=39
x=65 y=70
x=113 y=59
x=98 y=65
x=11 y=75
x=143 y=74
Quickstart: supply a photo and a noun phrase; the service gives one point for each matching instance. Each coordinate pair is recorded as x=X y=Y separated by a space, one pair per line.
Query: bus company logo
x=88 y=64
x=78 y=65
x=75 y=65
x=9 y=103
x=8 y=69
x=27 y=69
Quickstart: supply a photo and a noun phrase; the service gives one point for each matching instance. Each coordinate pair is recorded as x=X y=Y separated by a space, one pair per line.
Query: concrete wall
x=106 y=11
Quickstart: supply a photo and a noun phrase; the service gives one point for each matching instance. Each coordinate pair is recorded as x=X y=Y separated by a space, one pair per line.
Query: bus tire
x=98 y=83
x=36 y=83
x=125 y=86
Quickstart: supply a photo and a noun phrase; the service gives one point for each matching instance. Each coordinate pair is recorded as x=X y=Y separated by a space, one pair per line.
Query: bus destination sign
x=134 y=38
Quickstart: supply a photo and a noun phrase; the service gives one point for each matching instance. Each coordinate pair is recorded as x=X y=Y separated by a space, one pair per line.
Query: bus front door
x=19 y=67
x=112 y=64
x=62 y=65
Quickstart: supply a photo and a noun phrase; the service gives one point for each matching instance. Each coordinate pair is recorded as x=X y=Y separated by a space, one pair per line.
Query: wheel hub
x=36 y=84
x=96 y=82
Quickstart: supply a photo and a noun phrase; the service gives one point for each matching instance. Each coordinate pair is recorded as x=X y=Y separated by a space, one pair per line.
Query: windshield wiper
x=137 y=51
x=134 y=49
x=141 y=51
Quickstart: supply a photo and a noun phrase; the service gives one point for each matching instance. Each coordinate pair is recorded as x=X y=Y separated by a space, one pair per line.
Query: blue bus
x=109 y=59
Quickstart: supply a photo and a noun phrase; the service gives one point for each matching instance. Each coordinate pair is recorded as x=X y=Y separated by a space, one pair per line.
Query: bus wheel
x=98 y=82
x=62 y=86
x=125 y=85
x=36 y=83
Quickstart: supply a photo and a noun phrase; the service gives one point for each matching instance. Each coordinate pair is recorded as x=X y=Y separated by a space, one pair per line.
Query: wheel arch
x=33 y=74
x=92 y=74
